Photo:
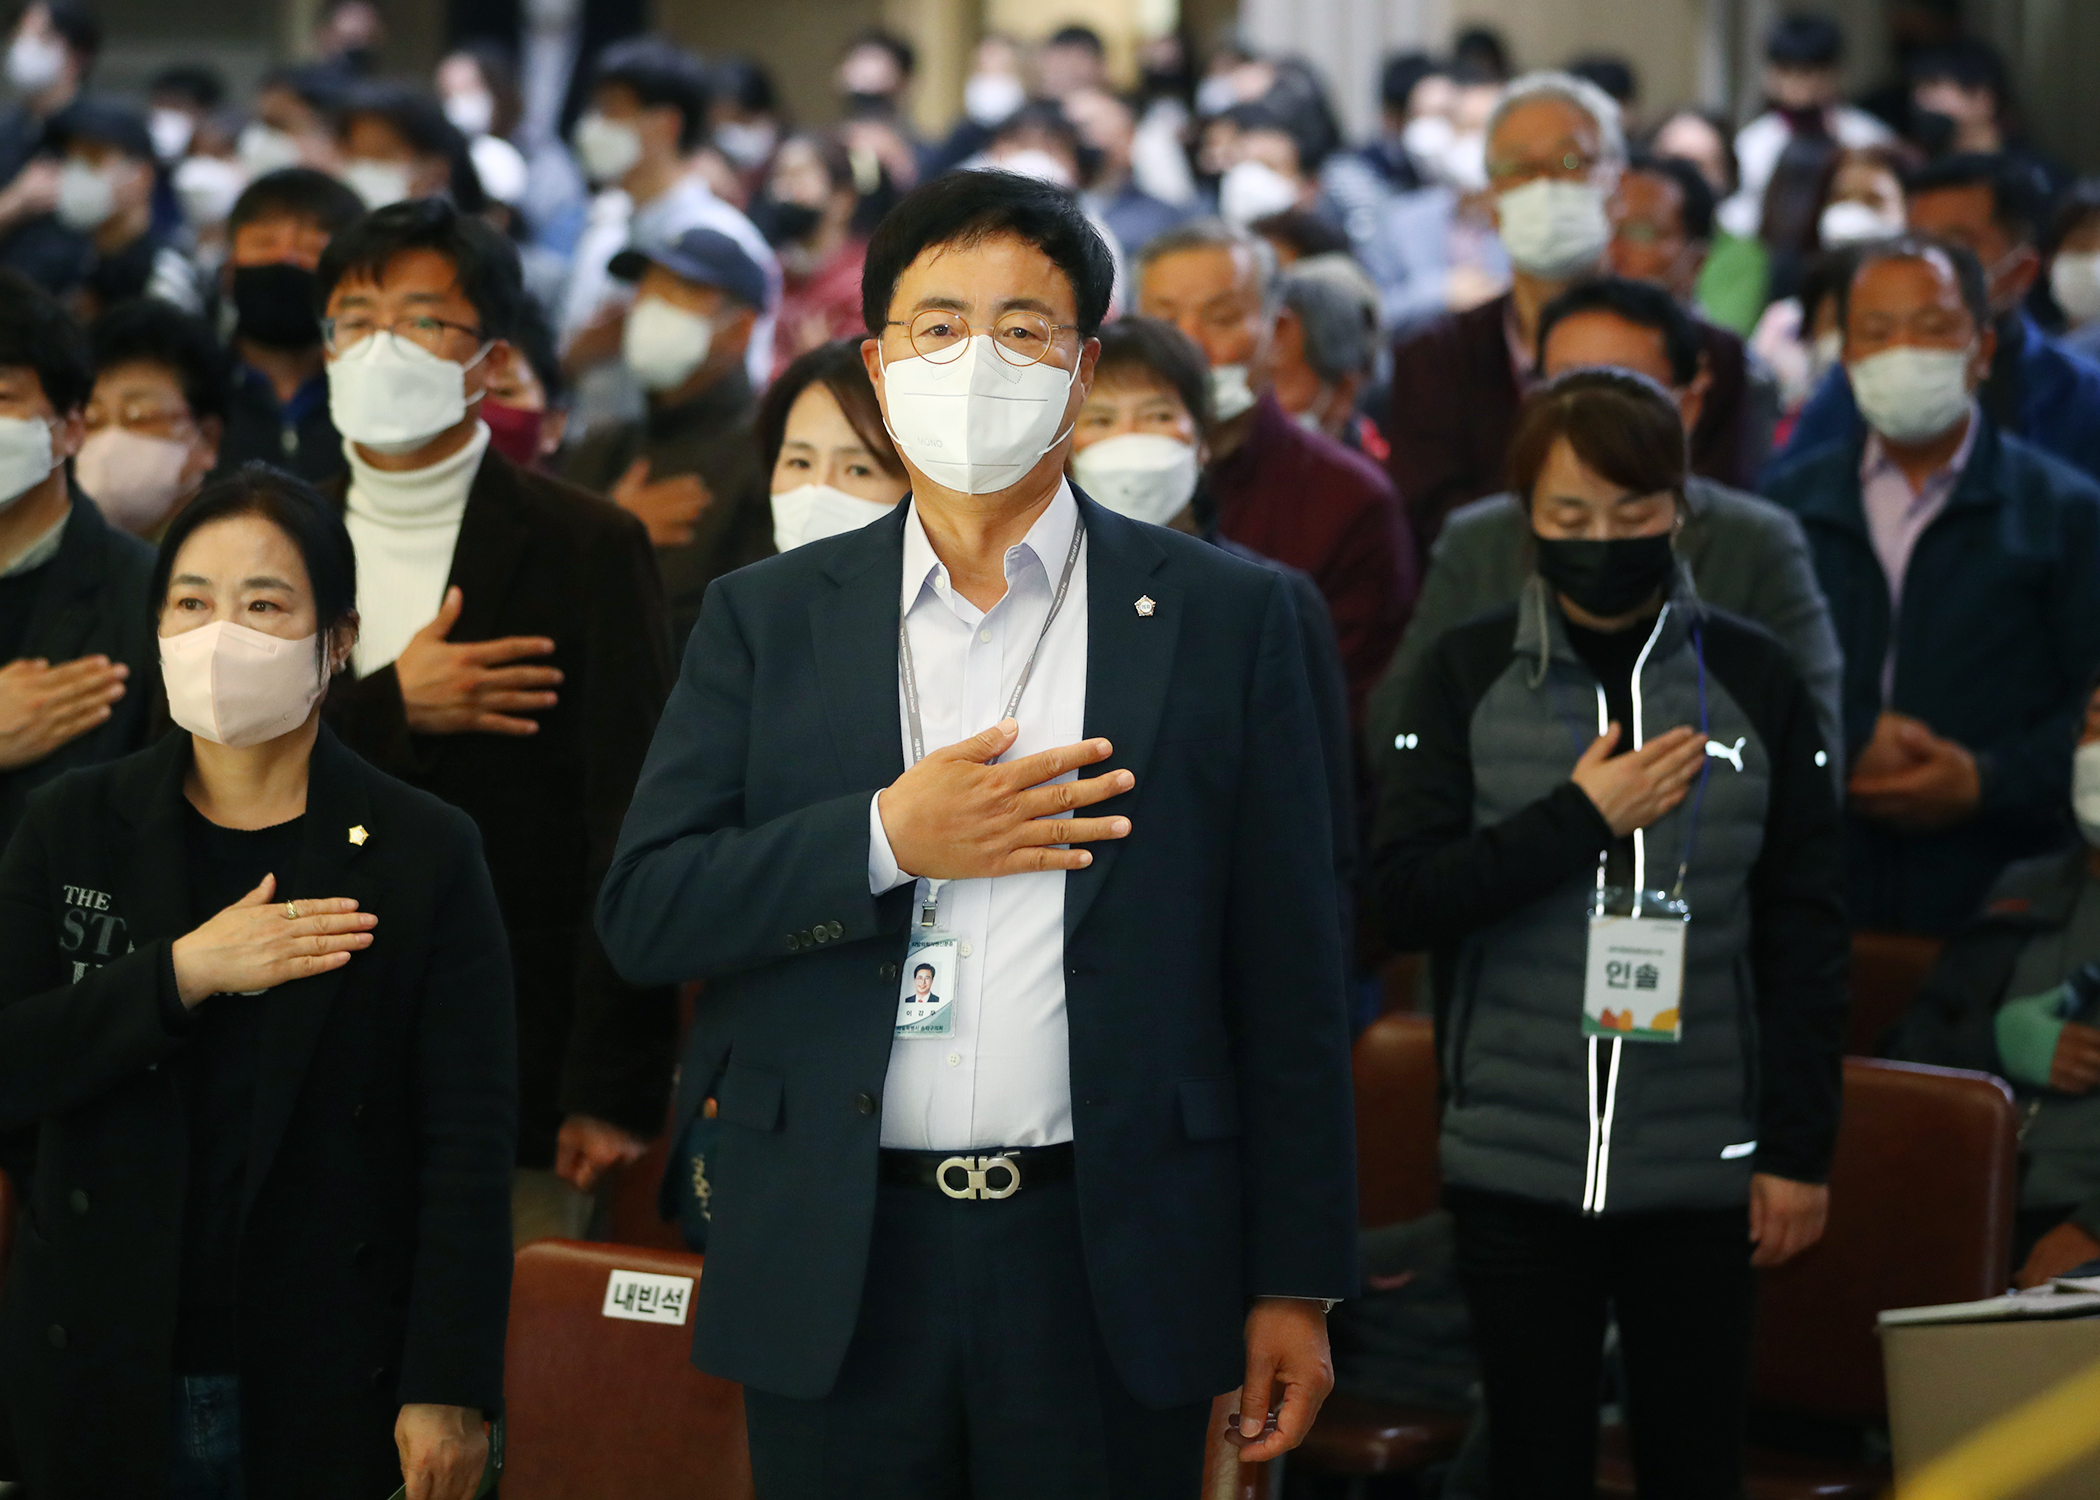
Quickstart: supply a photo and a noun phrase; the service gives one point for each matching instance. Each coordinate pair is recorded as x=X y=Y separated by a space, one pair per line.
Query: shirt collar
x=1047 y=542
x=40 y=551
x=1874 y=460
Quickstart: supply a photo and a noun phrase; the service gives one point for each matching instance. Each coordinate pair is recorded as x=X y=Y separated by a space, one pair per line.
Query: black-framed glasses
x=939 y=336
x=338 y=334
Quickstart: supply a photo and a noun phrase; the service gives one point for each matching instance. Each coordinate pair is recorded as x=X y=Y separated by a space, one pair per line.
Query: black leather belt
x=978 y=1174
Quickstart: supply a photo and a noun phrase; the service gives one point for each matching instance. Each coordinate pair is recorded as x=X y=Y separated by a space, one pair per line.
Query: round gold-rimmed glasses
x=1022 y=338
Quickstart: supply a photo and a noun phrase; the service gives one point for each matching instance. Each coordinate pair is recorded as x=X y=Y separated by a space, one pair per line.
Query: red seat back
x=1395 y=1069
x=1921 y=1206
x=1888 y=970
x=604 y=1406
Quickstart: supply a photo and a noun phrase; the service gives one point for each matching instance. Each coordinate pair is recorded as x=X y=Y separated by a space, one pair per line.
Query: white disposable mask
x=2075 y=279
x=133 y=479
x=1849 y=222
x=239 y=687
x=607 y=149
x=265 y=149
x=663 y=343
x=977 y=423
x=25 y=457
x=1252 y=190
x=207 y=187
x=473 y=111
x=1230 y=394
x=1428 y=139
x=393 y=396
x=379 y=183
x=1908 y=395
x=1552 y=228
x=2085 y=791
x=34 y=62
x=811 y=512
x=171 y=130
x=746 y=142
x=1146 y=476
x=989 y=98
x=87 y=196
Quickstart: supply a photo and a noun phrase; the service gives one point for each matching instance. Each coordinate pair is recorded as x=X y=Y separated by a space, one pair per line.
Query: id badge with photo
x=926 y=1000
x=1633 y=978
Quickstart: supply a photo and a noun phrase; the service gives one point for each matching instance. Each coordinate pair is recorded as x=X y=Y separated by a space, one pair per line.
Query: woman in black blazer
x=256 y=995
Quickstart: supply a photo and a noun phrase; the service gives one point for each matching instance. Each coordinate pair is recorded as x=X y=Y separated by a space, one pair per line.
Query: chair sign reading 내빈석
x=643 y=1297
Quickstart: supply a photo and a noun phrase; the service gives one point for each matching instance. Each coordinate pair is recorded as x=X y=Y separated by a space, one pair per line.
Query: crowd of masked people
x=1689 y=528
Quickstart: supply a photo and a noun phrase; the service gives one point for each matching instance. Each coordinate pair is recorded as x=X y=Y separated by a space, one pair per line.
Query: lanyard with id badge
x=1633 y=971
x=933 y=956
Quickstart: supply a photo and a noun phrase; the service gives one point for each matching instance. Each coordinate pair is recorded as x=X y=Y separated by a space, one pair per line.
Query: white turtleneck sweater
x=404 y=525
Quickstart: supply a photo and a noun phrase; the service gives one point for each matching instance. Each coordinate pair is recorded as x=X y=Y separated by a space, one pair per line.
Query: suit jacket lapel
x=329 y=865
x=492 y=541
x=1129 y=659
x=155 y=896
x=853 y=634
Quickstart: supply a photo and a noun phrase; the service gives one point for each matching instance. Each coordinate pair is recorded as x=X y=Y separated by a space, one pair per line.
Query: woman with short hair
x=256 y=996
x=1608 y=815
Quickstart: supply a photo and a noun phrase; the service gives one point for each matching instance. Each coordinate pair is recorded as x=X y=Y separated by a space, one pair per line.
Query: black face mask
x=1607 y=579
x=784 y=223
x=275 y=306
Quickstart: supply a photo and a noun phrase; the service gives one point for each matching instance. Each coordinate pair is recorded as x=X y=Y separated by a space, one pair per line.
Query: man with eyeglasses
x=1555 y=153
x=1015 y=1249
x=511 y=660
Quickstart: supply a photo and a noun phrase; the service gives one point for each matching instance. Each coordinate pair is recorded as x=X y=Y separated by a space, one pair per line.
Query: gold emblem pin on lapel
x=1145 y=606
x=358 y=835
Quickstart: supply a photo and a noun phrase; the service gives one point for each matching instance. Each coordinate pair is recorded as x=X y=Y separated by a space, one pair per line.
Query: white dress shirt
x=1004 y=1077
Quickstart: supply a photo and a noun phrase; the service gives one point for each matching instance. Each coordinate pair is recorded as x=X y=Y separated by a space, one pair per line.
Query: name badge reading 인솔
x=926 y=1003
x=1633 y=979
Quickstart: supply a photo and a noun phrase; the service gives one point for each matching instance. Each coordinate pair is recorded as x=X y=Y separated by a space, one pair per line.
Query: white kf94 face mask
x=977 y=423
x=811 y=512
x=239 y=687
x=392 y=395
x=1909 y=394
x=1146 y=476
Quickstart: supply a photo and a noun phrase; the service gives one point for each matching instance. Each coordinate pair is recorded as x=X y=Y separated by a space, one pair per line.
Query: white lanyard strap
x=908 y=674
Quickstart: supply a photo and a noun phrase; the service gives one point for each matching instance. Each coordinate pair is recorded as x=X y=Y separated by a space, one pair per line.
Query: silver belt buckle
x=975 y=1170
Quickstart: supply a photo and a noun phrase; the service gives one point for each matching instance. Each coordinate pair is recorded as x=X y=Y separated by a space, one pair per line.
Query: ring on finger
x=291 y=911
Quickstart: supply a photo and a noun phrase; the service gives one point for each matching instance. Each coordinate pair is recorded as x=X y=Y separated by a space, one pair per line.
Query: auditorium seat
x=1921 y=1205
x=1395 y=1071
x=1888 y=970
x=630 y=1216
x=602 y=1406
x=1224 y=1476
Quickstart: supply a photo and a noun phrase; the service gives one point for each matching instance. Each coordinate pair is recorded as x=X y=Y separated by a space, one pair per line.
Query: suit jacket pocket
x=749 y=1097
x=1210 y=1108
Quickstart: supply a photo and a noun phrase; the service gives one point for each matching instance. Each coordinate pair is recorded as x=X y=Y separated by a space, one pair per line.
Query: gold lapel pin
x=1145 y=606
x=358 y=835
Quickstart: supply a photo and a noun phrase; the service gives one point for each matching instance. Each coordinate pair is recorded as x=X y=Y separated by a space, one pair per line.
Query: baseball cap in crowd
x=705 y=257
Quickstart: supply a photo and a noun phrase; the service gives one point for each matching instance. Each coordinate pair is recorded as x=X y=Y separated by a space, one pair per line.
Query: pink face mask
x=239 y=687
x=133 y=479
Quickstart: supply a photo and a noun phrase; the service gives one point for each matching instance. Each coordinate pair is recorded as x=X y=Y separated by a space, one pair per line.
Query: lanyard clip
x=930 y=903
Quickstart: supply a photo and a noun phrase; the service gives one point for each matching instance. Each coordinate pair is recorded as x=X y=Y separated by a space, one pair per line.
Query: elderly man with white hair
x=1555 y=151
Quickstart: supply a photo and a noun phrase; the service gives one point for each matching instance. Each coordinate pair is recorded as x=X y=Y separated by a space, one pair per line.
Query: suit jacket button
x=865 y=1103
x=793 y=943
x=79 y=1199
x=820 y=933
x=837 y=930
x=56 y=1335
x=887 y=971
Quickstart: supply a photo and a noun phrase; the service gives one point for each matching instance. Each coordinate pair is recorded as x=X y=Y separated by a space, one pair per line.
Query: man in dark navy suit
x=1018 y=1251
